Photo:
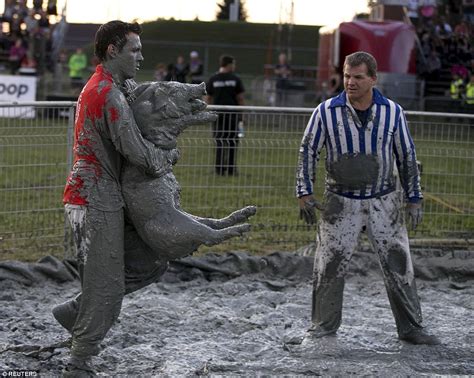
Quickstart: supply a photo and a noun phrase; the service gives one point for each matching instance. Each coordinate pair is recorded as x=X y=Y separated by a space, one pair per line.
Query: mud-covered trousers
x=341 y=223
x=225 y=135
x=107 y=272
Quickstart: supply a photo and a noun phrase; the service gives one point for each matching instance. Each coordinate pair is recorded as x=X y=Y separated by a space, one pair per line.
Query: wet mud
x=201 y=321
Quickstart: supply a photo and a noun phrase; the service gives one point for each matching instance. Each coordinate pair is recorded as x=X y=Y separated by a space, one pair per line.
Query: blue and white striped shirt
x=359 y=158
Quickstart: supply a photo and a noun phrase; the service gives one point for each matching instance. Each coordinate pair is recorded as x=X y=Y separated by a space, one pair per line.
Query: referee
x=365 y=135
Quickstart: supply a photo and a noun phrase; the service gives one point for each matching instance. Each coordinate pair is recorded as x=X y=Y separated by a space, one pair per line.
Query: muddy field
x=236 y=314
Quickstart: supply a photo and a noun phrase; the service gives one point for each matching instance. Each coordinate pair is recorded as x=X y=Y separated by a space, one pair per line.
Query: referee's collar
x=341 y=99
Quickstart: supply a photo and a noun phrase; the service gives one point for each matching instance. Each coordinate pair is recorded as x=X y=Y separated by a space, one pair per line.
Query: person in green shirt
x=77 y=64
x=456 y=89
x=470 y=91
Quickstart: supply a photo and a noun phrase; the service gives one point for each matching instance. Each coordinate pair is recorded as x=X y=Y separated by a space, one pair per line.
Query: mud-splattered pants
x=225 y=134
x=341 y=223
x=106 y=272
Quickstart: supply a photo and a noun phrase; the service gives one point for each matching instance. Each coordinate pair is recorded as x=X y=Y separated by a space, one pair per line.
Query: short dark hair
x=115 y=33
x=361 y=57
x=225 y=60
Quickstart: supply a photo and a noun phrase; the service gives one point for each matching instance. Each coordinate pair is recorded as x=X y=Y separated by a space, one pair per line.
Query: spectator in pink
x=461 y=71
x=16 y=54
x=462 y=29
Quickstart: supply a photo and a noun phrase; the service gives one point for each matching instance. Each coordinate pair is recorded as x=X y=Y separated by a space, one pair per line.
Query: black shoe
x=419 y=336
x=317 y=331
x=78 y=368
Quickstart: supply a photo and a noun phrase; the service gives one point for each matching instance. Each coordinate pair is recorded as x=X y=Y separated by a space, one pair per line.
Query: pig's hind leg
x=177 y=234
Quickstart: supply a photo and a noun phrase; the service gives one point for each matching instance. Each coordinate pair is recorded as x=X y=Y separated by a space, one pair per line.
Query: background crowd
x=26 y=45
x=446 y=52
x=445 y=57
x=181 y=71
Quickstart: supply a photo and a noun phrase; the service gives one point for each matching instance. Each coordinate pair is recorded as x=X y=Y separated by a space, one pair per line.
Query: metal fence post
x=68 y=237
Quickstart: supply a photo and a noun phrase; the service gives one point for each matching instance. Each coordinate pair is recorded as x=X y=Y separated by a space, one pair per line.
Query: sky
x=306 y=12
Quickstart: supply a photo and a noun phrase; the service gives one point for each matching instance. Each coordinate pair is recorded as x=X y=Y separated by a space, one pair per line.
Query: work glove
x=414 y=214
x=308 y=204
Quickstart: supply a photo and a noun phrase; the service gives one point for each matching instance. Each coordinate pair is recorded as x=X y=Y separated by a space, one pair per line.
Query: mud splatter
x=332 y=208
x=397 y=261
x=353 y=171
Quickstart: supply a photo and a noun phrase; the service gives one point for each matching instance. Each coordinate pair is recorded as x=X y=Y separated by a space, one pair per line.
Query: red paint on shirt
x=114 y=114
x=90 y=111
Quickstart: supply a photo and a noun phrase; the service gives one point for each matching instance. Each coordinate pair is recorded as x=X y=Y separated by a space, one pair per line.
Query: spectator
x=443 y=29
x=169 y=72
x=457 y=86
x=21 y=9
x=226 y=88
x=37 y=6
x=461 y=71
x=283 y=73
x=470 y=92
x=195 y=68
x=335 y=82
x=5 y=43
x=52 y=8
x=161 y=72
x=465 y=50
x=412 y=13
x=433 y=66
x=426 y=44
x=180 y=70
x=8 y=12
x=28 y=65
x=462 y=29
x=16 y=54
x=30 y=22
x=77 y=65
x=60 y=71
x=43 y=22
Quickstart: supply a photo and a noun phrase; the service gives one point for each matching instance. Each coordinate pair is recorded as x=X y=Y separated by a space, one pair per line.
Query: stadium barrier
x=35 y=156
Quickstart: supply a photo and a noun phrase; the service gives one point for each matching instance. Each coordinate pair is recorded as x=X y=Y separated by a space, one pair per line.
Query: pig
x=162 y=111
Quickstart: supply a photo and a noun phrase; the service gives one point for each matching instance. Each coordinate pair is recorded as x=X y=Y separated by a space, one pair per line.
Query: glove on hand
x=414 y=213
x=307 y=210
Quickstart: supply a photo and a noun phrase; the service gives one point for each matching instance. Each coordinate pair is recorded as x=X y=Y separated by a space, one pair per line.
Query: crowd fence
x=35 y=157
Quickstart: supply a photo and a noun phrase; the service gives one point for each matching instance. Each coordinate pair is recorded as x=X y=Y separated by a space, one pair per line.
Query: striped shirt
x=359 y=158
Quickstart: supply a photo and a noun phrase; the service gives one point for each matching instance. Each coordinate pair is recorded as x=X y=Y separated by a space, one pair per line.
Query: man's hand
x=308 y=204
x=414 y=213
x=173 y=156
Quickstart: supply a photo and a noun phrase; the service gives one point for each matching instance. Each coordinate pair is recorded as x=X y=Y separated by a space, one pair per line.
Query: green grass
x=33 y=170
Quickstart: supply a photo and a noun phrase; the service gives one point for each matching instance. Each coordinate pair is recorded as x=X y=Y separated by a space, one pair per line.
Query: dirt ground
x=249 y=318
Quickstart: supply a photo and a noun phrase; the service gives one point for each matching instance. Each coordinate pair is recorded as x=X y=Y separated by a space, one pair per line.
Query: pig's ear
x=202 y=88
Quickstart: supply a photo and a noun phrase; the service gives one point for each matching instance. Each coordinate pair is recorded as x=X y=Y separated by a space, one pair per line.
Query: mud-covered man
x=364 y=134
x=105 y=135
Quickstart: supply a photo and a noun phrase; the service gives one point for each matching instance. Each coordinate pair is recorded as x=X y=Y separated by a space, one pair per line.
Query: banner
x=17 y=89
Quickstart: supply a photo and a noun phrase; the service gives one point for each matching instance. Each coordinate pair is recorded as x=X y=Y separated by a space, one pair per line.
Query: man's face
x=129 y=58
x=357 y=83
